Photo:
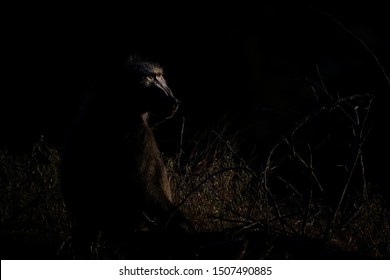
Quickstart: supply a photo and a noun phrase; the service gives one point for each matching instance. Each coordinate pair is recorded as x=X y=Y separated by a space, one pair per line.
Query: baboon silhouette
x=113 y=178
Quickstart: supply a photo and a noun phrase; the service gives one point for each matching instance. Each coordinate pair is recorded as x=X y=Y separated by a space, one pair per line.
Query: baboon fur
x=113 y=178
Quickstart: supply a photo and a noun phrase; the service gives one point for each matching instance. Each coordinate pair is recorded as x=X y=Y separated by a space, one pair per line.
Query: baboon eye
x=150 y=77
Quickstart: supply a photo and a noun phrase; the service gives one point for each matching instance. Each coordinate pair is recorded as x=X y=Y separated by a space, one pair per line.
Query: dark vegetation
x=282 y=155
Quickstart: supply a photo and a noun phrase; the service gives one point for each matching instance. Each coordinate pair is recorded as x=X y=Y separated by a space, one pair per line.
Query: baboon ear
x=139 y=64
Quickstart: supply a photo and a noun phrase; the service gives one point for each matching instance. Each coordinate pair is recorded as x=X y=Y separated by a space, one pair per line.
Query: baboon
x=113 y=178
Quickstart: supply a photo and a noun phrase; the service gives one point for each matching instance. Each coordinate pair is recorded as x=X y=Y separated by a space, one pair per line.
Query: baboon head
x=144 y=86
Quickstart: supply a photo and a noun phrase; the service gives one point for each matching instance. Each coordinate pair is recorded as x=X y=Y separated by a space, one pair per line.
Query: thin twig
x=358 y=158
x=365 y=46
x=323 y=84
x=242 y=161
x=307 y=166
x=181 y=143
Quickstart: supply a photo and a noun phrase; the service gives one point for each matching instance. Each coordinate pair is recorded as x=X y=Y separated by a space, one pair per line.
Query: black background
x=244 y=60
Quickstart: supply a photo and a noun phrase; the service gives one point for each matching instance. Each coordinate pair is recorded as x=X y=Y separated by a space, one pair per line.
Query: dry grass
x=313 y=185
x=34 y=222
